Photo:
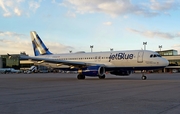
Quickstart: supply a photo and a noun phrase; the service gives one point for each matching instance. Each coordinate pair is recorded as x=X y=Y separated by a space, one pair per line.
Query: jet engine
x=93 y=71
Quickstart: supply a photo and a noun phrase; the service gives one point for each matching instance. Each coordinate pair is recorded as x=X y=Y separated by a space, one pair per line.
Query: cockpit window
x=159 y=55
x=151 y=55
x=154 y=55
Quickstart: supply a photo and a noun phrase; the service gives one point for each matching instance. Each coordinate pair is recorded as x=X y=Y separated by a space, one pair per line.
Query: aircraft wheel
x=143 y=77
x=102 y=77
x=80 y=76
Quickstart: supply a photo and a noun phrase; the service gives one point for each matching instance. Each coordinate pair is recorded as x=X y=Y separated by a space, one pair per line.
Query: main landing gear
x=102 y=77
x=80 y=76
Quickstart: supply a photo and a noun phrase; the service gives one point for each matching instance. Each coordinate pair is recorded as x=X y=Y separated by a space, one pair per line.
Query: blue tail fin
x=38 y=45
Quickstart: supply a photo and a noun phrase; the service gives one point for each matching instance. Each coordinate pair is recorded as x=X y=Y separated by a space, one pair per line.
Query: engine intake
x=93 y=71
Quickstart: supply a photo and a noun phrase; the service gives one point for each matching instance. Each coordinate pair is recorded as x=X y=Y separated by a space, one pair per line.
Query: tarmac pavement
x=56 y=93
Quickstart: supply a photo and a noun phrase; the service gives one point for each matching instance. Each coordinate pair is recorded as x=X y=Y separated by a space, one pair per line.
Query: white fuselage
x=133 y=59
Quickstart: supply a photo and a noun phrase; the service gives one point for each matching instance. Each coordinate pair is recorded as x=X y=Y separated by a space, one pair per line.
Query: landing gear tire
x=80 y=76
x=143 y=77
x=102 y=77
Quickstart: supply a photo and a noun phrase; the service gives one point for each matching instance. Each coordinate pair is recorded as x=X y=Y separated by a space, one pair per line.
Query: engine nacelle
x=93 y=71
x=121 y=72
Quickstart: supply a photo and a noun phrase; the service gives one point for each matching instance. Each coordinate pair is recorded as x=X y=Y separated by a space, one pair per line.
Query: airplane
x=96 y=64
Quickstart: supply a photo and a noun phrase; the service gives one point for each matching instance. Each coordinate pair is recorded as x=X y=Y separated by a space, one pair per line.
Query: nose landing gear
x=143 y=77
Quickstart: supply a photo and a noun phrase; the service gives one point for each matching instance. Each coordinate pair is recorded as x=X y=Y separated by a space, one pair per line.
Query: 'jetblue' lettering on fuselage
x=119 y=56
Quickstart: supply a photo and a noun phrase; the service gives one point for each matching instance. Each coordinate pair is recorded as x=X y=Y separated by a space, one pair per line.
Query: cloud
x=71 y=14
x=163 y=5
x=15 y=46
x=111 y=7
x=17 y=11
x=108 y=23
x=125 y=17
x=11 y=7
x=18 y=7
x=21 y=45
x=176 y=47
x=7 y=33
x=154 y=34
x=178 y=34
x=55 y=47
x=122 y=7
x=34 y=5
x=15 y=43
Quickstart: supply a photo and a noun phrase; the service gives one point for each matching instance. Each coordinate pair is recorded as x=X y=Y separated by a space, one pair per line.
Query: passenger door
x=140 y=56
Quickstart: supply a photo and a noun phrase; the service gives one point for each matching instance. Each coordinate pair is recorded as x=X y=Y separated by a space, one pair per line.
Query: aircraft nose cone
x=166 y=62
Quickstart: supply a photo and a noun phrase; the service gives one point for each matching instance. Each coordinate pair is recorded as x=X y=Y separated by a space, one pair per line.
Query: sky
x=74 y=25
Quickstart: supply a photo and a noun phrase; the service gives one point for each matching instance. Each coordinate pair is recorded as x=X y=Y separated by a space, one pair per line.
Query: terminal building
x=173 y=58
x=13 y=61
x=10 y=61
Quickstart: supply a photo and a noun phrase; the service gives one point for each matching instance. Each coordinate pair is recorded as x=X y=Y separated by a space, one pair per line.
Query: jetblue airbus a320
x=96 y=64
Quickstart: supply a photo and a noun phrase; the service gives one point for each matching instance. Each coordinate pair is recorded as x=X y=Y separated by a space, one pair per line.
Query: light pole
x=160 y=46
x=111 y=49
x=91 y=46
x=144 y=43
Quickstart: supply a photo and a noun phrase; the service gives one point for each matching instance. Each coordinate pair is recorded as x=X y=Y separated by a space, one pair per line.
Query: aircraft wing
x=63 y=62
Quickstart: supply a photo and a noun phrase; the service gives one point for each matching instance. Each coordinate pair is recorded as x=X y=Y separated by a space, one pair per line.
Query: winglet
x=39 y=47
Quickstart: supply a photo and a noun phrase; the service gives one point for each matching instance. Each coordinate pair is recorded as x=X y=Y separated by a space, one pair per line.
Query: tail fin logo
x=38 y=45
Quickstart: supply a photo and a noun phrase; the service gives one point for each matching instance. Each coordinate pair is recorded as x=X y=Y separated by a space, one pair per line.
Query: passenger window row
x=83 y=58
